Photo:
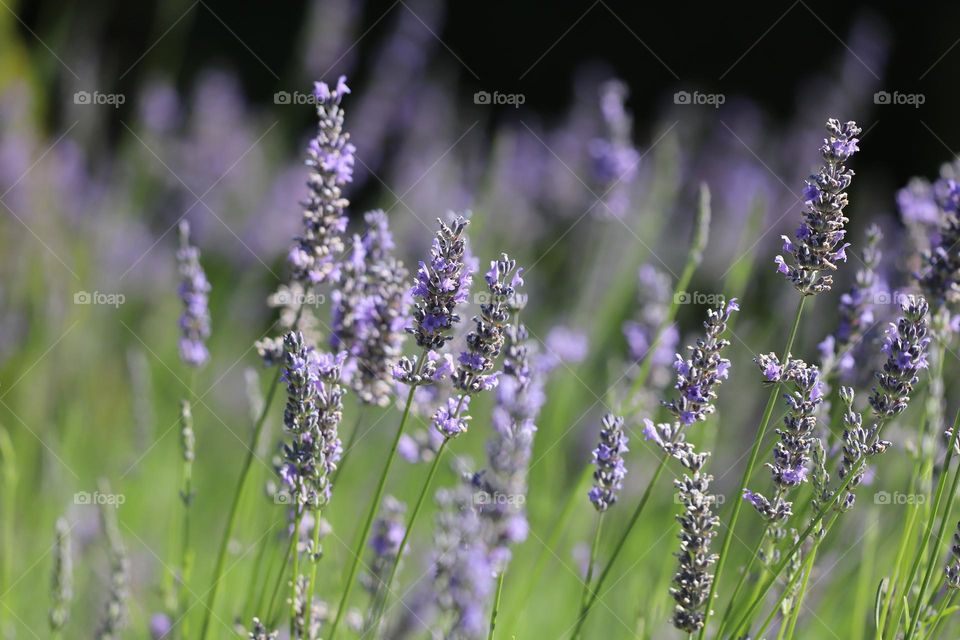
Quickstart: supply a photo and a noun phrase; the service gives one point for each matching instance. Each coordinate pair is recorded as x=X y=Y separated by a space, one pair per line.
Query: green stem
x=593 y=556
x=295 y=578
x=406 y=533
x=315 y=560
x=928 y=574
x=235 y=504
x=595 y=592
x=795 y=610
x=939 y=618
x=372 y=511
x=747 y=474
x=294 y=537
x=496 y=606
x=8 y=480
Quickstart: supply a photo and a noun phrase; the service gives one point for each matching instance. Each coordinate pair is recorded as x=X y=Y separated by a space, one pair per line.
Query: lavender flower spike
x=385 y=541
x=698 y=525
x=792 y=455
x=699 y=375
x=952 y=569
x=608 y=458
x=906 y=348
x=62 y=585
x=940 y=277
x=311 y=418
x=330 y=157
x=818 y=244
x=440 y=286
x=194 y=290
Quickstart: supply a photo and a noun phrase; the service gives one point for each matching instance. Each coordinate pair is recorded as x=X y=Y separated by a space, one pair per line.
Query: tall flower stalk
x=441 y=285
x=475 y=370
x=698 y=377
x=313 y=261
x=62 y=582
x=816 y=249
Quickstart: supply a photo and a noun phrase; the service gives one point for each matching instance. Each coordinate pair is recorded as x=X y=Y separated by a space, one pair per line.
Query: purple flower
x=330 y=157
x=906 y=347
x=160 y=626
x=451 y=419
x=385 y=540
x=819 y=241
x=194 y=290
x=608 y=459
x=440 y=286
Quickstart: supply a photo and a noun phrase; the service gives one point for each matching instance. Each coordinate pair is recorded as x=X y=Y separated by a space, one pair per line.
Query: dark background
x=781 y=43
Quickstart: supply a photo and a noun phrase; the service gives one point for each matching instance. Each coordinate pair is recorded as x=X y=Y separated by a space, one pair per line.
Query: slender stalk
x=295 y=577
x=496 y=606
x=372 y=511
x=235 y=504
x=928 y=574
x=409 y=529
x=595 y=592
x=8 y=478
x=795 y=610
x=315 y=560
x=294 y=537
x=593 y=556
x=186 y=498
x=747 y=474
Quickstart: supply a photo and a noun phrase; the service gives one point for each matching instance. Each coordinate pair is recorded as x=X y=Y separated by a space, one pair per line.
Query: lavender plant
x=61 y=587
x=194 y=291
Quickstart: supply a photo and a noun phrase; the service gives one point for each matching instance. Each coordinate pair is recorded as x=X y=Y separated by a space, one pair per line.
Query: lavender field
x=344 y=320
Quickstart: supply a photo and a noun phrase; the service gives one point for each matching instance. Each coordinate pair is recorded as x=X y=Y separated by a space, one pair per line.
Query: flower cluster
x=614 y=159
x=608 y=459
x=311 y=417
x=697 y=380
x=330 y=157
x=818 y=245
x=856 y=311
x=194 y=291
x=940 y=277
x=791 y=456
x=62 y=585
x=385 y=541
x=953 y=566
x=463 y=578
x=859 y=443
x=441 y=285
x=485 y=341
x=369 y=312
x=518 y=400
x=698 y=526
x=700 y=374
x=905 y=345
x=641 y=332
